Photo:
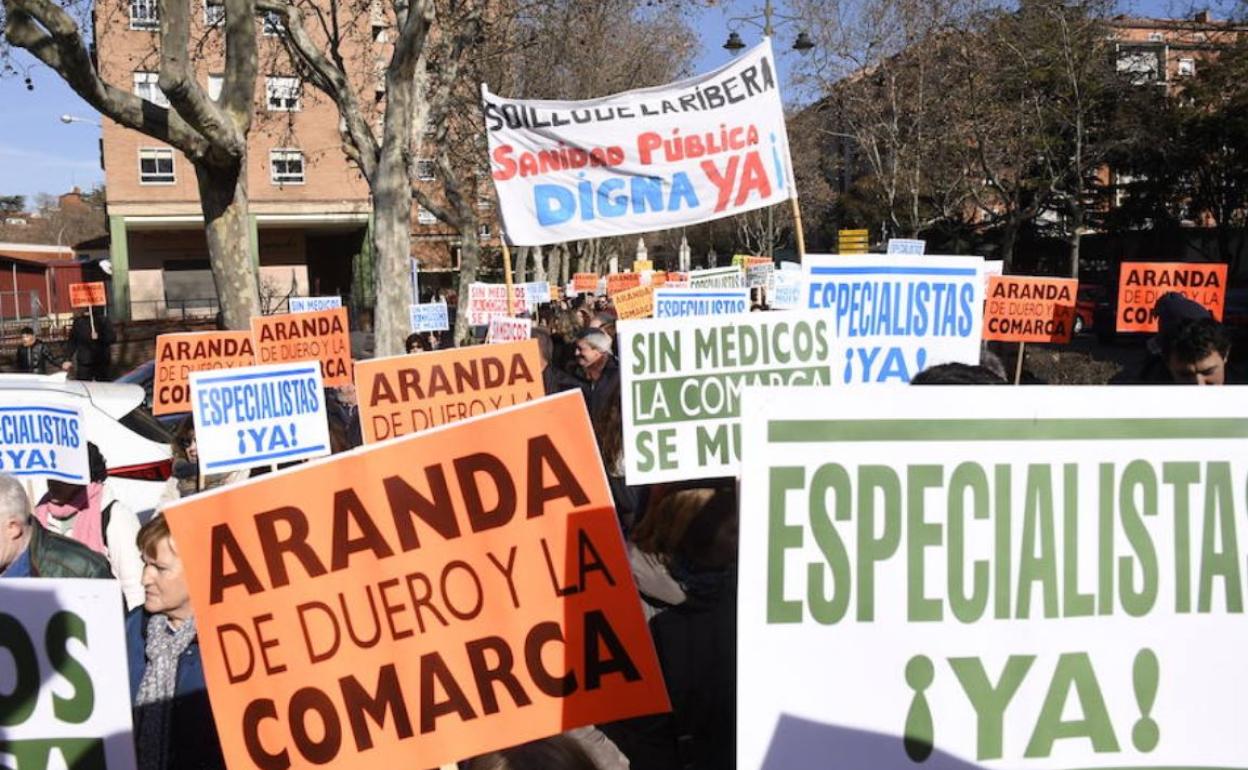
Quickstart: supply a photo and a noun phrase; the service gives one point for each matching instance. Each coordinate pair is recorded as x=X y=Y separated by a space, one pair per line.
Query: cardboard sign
x=1029 y=309
x=585 y=283
x=259 y=415
x=313 y=304
x=43 y=437
x=1141 y=284
x=679 y=303
x=321 y=336
x=87 y=294
x=509 y=330
x=1018 y=577
x=911 y=246
x=424 y=600
x=618 y=282
x=635 y=303
x=717 y=278
x=899 y=315
x=677 y=280
x=406 y=394
x=428 y=317
x=786 y=289
x=681 y=380
x=66 y=697
x=643 y=265
x=654 y=159
x=179 y=354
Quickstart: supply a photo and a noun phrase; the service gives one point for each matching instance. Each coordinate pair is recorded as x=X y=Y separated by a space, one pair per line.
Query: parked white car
x=134 y=444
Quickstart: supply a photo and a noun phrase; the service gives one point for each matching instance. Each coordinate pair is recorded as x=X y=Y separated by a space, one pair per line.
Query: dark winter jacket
x=36 y=359
x=54 y=556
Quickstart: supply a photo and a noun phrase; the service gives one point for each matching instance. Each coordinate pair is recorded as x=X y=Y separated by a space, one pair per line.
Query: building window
x=425 y=217
x=214 y=86
x=144 y=14
x=145 y=87
x=1156 y=37
x=214 y=12
x=286 y=167
x=424 y=169
x=271 y=24
x=484 y=232
x=1187 y=68
x=282 y=94
x=155 y=165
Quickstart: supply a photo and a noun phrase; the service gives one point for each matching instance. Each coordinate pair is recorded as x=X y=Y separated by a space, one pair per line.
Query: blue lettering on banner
x=868 y=304
x=37 y=440
x=675 y=305
x=556 y=204
x=253 y=399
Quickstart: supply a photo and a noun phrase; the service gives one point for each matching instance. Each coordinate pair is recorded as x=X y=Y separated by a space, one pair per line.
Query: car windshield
x=143 y=423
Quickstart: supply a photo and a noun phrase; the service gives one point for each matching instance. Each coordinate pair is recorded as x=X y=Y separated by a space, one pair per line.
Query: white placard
x=1016 y=578
x=429 y=317
x=717 y=278
x=43 y=437
x=899 y=314
x=653 y=159
x=66 y=686
x=911 y=246
x=509 y=330
x=313 y=304
x=679 y=303
x=259 y=415
x=786 y=289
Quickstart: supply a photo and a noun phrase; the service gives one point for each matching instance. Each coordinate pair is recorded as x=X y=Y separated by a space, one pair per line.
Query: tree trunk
x=539 y=267
x=392 y=247
x=555 y=255
x=469 y=266
x=227 y=226
x=1009 y=236
x=521 y=265
x=1075 y=241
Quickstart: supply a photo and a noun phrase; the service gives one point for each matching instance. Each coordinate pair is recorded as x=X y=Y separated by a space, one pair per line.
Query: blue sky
x=38 y=153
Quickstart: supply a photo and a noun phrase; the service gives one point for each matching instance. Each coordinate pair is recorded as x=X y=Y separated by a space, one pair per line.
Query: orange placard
x=418 y=602
x=319 y=336
x=757 y=262
x=87 y=294
x=1028 y=309
x=406 y=394
x=1141 y=284
x=618 y=282
x=635 y=303
x=658 y=278
x=177 y=355
x=585 y=282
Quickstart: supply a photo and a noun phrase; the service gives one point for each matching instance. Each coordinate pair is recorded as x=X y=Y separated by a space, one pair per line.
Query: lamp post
x=734 y=44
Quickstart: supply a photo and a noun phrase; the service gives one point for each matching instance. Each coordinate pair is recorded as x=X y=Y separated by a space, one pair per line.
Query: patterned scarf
x=155 y=699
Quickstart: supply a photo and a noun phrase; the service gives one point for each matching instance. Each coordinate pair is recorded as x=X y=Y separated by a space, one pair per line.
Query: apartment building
x=310 y=207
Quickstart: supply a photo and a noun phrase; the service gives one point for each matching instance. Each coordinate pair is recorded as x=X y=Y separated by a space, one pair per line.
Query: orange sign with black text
x=585 y=282
x=1029 y=309
x=322 y=336
x=634 y=303
x=618 y=282
x=418 y=602
x=87 y=294
x=1141 y=284
x=177 y=355
x=406 y=394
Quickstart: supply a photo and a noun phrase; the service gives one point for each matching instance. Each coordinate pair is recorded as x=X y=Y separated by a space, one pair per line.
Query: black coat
x=37 y=358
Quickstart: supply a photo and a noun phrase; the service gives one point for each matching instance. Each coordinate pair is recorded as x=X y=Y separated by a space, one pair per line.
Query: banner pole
x=1018 y=368
x=507 y=271
x=797 y=230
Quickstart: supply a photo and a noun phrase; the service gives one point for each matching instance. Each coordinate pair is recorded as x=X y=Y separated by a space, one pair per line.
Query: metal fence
x=174 y=309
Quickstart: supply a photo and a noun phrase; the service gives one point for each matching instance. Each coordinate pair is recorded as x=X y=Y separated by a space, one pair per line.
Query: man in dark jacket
x=602 y=372
x=554 y=379
x=33 y=355
x=91 y=341
x=29 y=550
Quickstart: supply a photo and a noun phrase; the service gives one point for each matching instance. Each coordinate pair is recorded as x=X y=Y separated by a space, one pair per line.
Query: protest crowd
x=554 y=545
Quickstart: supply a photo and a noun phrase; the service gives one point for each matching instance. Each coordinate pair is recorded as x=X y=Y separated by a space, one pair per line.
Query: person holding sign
x=90 y=345
x=29 y=550
x=173 y=724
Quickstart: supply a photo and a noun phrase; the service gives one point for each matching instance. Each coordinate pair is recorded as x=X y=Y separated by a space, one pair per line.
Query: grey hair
x=13 y=501
x=597 y=339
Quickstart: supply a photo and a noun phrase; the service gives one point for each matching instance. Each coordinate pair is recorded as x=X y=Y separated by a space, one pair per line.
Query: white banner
x=898 y=314
x=429 y=317
x=259 y=415
x=717 y=278
x=65 y=699
x=786 y=289
x=313 y=304
x=678 y=303
x=1011 y=578
x=43 y=437
x=653 y=159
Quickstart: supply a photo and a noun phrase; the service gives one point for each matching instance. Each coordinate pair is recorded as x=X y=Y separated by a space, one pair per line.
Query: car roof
x=113 y=399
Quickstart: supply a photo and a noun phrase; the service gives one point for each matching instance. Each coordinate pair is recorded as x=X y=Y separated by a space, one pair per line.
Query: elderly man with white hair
x=29 y=550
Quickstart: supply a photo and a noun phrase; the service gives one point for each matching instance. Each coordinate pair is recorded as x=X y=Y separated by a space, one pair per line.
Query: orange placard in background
x=1141 y=284
x=87 y=294
x=618 y=282
x=320 y=336
x=635 y=303
x=177 y=355
x=405 y=394
x=1030 y=309
x=418 y=602
x=585 y=282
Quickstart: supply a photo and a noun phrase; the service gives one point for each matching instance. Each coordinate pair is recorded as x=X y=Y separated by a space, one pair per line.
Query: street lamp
x=67 y=119
x=802 y=44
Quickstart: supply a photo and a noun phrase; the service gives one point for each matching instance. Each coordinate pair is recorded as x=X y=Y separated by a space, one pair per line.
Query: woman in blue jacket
x=173 y=725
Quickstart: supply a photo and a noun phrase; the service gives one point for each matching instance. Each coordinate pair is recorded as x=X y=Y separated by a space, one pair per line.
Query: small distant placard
x=429 y=317
x=911 y=246
x=313 y=304
x=679 y=303
x=509 y=330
